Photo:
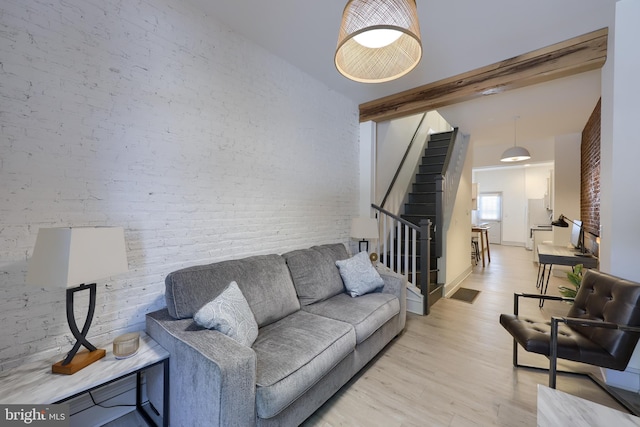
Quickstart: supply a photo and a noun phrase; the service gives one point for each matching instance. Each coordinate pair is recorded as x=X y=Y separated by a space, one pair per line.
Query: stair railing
x=399 y=239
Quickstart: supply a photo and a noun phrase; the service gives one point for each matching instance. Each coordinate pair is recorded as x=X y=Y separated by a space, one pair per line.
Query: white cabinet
x=539 y=237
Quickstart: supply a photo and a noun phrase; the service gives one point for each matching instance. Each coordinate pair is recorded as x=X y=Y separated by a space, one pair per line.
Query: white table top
x=559 y=409
x=35 y=384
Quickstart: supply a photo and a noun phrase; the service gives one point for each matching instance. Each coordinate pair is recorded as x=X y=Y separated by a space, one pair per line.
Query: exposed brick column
x=590 y=172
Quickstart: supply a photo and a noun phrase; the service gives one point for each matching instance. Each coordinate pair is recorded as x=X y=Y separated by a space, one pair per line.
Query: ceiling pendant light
x=515 y=153
x=379 y=40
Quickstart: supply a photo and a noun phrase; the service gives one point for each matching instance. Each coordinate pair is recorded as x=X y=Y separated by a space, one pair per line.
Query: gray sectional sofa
x=312 y=337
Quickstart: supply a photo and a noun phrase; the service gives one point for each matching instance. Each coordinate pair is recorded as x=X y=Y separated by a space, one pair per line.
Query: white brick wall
x=151 y=116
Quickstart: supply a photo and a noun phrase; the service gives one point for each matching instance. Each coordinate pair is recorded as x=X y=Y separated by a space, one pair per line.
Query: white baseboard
x=414 y=300
x=451 y=287
x=508 y=243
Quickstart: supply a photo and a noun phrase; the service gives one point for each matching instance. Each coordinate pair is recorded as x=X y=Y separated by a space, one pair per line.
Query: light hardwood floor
x=453 y=367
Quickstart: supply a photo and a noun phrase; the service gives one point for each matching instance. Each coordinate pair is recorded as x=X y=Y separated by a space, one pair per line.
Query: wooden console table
x=35 y=384
x=550 y=255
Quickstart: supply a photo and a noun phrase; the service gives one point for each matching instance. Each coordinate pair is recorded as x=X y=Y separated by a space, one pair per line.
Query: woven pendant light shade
x=376 y=64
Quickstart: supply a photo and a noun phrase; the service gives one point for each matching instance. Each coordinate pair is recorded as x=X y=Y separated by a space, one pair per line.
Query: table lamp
x=74 y=258
x=562 y=222
x=364 y=228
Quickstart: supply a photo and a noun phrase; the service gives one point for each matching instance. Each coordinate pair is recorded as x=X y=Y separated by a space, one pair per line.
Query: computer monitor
x=576 y=234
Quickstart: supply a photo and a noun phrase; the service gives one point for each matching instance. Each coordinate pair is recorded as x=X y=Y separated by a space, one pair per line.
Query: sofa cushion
x=264 y=280
x=359 y=275
x=230 y=314
x=314 y=272
x=295 y=353
x=337 y=251
x=366 y=313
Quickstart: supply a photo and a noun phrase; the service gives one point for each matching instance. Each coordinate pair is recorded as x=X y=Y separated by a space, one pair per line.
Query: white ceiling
x=457 y=36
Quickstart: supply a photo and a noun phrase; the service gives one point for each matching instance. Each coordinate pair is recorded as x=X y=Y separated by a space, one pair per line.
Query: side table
x=35 y=384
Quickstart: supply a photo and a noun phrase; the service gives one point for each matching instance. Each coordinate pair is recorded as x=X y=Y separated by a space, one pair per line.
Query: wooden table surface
x=562 y=255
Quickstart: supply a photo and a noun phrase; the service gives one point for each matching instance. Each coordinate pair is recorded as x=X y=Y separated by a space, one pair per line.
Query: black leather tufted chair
x=602 y=327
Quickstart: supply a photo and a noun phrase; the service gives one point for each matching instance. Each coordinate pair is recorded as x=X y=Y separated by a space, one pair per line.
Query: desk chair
x=602 y=327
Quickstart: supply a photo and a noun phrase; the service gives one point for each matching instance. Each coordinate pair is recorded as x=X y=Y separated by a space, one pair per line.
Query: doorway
x=490 y=213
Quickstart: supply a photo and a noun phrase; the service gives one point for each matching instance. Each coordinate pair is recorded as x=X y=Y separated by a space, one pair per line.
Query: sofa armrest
x=395 y=284
x=212 y=377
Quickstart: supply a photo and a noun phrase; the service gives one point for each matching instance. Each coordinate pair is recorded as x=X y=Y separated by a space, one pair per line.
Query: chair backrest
x=611 y=299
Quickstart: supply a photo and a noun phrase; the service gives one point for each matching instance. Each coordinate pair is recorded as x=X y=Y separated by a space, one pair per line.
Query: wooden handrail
x=396 y=217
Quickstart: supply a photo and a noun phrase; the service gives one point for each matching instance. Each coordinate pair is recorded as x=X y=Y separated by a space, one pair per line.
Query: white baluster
x=414 y=268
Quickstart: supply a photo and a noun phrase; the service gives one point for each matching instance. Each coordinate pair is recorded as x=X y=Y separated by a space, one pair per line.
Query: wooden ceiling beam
x=573 y=56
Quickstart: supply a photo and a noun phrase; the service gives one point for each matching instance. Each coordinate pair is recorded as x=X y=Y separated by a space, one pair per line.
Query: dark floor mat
x=466 y=295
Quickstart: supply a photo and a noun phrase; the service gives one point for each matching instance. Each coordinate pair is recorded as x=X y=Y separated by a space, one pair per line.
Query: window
x=490 y=207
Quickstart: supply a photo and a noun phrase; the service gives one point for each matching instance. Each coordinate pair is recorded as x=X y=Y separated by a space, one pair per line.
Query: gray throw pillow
x=359 y=275
x=230 y=314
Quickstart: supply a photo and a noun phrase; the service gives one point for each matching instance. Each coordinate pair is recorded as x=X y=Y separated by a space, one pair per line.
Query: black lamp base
x=77 y=360
x=366 y=245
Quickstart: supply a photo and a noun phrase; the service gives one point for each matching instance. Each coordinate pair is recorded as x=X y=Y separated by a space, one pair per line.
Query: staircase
x=413 y=241
x=422 y=200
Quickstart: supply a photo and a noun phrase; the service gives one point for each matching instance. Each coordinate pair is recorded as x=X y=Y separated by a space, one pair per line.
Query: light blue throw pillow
x=359 y=275
x=230 y=314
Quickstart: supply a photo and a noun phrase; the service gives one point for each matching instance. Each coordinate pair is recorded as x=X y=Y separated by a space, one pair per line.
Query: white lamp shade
x=515 y=154
x=364 y=228
x=66 y=257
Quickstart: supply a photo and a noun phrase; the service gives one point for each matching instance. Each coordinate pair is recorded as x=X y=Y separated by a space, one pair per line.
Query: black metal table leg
x=165 y=400
x=543 y=289
x=165 y=397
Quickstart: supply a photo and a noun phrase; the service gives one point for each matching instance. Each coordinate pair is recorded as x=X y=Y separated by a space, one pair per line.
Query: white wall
x=393 y=138
x=457 y=243
x=566 y=184
x=620 y=196
x=154 y=117
x=368 y=143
